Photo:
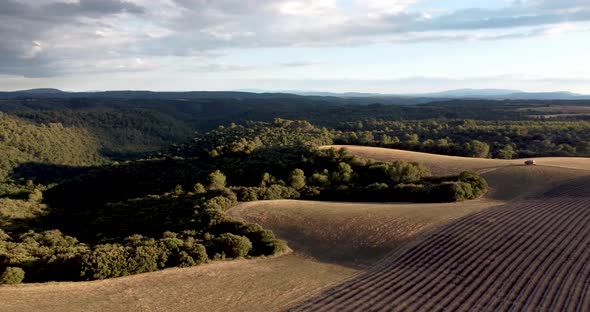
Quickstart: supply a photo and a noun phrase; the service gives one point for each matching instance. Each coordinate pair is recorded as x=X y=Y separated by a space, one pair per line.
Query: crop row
x=525 y=255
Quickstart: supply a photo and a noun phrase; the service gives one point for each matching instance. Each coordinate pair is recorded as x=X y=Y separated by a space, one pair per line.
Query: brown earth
x=269 y=284
x=351 y=234
x=527 y=255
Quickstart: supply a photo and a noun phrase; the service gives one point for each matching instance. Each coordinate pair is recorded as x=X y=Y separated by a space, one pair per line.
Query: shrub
x=478 y=184
x=185 y=260
x=320 y=179
x=452 y=191
x=412 y=191
x=246 y=194
x=105 y=261
x=275 y=246
x=401 y=171
x=233 y=246
x=216 y=180
x=146 y=259
x=199 y=188
x=4 y=236
x=12 y=275
x=198 y=253
x=297 y=179
x=220 y=203
x=279 y=192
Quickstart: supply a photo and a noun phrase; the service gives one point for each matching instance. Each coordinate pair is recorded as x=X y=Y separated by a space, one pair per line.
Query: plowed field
x=527 y=255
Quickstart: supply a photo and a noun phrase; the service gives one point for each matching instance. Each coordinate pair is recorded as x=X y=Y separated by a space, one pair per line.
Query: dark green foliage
x=276 y=191
x=320 y=179
x=112 y=209
x=477 y=148
x=263 y=241
x=233 y=246
x=220 y=203
x=51 y=255
x=297 y=179
x=216 y=180
x=4 y=236
x=199 y=188
x=504 y=139
x=193 y=255
x=478 y=184
x=451 y=191
x=467 y=185
x=246 y=194
x=506 y=152
x=46 y=256
x=12 y=275
x=109 y=260
x=126 y=128
x=22 y=142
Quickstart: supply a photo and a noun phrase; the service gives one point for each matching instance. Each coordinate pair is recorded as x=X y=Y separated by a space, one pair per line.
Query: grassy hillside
x=507 y=178
x=24 y=142
x=270 y=284
x=443 y=164
x=331 y=241
x=351 y=234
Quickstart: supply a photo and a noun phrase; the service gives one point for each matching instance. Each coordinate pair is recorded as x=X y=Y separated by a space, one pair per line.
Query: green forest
x=95 y=188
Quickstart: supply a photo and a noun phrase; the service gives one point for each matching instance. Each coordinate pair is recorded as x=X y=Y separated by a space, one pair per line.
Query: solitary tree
x=216 y=180
x=199 y=188
x=12 y=275
x=297 y=179
x=477 y=148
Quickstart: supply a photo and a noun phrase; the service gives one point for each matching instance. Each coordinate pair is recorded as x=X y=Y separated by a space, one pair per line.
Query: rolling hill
x=332 y=242
x=507 y=178
x=526 y=255
x=23 y=142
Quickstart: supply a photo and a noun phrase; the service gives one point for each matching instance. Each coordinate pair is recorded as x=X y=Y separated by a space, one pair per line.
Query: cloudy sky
x=387 y=46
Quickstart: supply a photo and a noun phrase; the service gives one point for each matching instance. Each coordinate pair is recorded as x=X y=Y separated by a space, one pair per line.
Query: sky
x=395 y=46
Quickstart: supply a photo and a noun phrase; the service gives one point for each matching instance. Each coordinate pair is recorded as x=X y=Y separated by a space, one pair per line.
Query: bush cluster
x=53 y=256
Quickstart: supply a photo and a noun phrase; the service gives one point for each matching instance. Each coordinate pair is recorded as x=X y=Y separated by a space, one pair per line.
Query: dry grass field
x=508 y=179
x=442 y=164
x=269 y=284
x=351 y=234
x=334 y=242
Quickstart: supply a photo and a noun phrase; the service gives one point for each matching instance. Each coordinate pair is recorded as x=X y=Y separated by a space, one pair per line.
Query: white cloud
x=47 y=37
x=384 y=6
x=33 y=51
x=306 y=7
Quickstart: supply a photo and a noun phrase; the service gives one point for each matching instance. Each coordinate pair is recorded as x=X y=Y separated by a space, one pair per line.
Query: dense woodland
x=100 y=188
x=128 y=128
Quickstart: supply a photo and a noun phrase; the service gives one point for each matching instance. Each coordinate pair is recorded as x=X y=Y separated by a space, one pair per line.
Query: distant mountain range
x=498 y=94
x=506 y=94
x=356 y=97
